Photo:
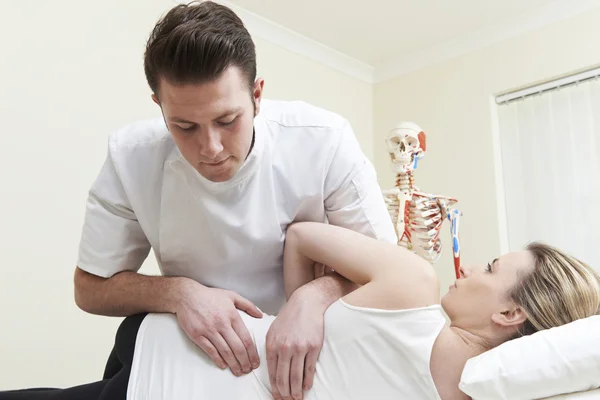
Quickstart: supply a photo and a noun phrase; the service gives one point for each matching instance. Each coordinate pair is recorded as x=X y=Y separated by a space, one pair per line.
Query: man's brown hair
x=194 y=43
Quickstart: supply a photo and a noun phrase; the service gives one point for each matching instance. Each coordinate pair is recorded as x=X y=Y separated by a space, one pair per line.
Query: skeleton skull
x=406 y=145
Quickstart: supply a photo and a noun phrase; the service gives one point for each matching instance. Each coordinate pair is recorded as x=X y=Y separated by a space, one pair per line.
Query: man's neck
x=251 y=144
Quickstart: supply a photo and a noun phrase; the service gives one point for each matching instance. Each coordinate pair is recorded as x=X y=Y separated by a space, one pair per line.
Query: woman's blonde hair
x=561 y=289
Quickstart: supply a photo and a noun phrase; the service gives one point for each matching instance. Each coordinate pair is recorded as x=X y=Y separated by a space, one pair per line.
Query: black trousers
x=113 y=385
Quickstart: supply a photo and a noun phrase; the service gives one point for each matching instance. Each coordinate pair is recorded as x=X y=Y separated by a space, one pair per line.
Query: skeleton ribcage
x=423 y=218
x=425 y=222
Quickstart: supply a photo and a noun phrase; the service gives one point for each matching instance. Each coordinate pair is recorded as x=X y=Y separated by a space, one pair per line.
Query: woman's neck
x=477 y=341
x=472 y=342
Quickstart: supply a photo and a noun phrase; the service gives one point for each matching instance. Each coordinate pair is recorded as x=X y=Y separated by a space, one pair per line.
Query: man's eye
x=225 y=123
x=187 y=127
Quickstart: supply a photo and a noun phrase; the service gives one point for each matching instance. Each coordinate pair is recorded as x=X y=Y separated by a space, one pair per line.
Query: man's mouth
x=216 y=164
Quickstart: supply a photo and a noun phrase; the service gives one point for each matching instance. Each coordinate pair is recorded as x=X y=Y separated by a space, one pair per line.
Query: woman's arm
x=392 y=277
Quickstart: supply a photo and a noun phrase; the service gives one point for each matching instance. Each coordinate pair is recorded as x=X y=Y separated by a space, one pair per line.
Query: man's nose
x=210 y=144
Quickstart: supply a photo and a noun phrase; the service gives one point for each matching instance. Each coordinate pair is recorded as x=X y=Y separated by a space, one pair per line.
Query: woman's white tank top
x=367 y=354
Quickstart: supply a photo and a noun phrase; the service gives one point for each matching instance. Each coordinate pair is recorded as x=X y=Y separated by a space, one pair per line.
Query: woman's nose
x=464 y=272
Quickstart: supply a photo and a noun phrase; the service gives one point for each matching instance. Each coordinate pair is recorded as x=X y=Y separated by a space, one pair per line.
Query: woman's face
x=479 y=299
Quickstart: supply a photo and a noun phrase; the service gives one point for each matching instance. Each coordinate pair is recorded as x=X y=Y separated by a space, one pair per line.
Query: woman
x=386 y=340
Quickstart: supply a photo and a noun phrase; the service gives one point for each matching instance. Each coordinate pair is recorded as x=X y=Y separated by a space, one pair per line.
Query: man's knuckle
x=295 y=378
x=226 y=352
x=197 y=332
x=212 y=353
x=247 y=342
x=296 y=393
x=237 y=348
x=239 y=351
x=219 y=324
x=231 y=295
x=204 y=344
x=271 y=350
x=300 y=347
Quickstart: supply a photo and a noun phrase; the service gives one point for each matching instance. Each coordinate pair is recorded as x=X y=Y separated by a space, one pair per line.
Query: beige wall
x=451 y=102
x=291 y=76
x=68 y=78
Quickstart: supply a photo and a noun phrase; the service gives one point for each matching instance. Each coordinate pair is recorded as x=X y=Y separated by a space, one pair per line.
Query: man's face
x=212 y=123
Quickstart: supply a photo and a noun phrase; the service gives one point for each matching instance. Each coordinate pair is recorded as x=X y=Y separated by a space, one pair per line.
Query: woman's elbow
x=412 y=267
x=295 y=232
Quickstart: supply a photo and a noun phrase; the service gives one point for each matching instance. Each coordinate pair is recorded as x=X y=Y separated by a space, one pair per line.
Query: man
x=211 y=188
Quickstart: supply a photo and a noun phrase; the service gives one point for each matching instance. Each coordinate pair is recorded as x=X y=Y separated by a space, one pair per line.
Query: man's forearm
x=127 y=293
x=329 y=288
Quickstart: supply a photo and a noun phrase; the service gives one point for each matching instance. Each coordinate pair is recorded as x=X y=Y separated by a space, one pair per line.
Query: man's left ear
x=512 y=317
x=257 y=94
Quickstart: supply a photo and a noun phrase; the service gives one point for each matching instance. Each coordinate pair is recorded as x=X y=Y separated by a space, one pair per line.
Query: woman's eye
x=488 y=268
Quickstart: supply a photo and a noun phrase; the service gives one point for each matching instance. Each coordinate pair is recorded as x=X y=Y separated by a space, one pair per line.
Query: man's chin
x=218 y=179
x=217 y=175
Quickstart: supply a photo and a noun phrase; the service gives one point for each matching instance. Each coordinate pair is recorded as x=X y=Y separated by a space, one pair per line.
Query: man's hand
x=294 y=342
x=210 y=318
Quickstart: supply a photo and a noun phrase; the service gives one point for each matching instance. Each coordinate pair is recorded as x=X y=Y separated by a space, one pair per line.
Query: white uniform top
x=306 y=165
x=367 y=354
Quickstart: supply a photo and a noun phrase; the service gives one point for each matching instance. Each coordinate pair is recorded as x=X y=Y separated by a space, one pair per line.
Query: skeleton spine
x=405 y=182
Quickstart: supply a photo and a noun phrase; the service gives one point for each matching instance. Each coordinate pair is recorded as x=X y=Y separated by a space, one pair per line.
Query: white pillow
x=560 y=360
x=587 y=395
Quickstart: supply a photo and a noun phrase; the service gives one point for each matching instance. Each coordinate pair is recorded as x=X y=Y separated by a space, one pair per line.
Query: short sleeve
x=353 y=197
x=112 y=239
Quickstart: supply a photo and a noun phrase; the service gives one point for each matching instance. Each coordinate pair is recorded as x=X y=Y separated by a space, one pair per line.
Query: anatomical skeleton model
x=417 y=216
